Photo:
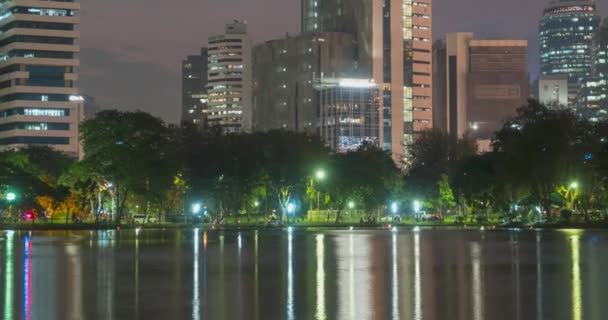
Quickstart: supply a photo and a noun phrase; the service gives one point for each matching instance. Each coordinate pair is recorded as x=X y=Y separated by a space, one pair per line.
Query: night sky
x=132 y=49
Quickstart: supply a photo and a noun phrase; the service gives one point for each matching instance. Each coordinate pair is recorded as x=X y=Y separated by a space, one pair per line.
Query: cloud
x=123 y=84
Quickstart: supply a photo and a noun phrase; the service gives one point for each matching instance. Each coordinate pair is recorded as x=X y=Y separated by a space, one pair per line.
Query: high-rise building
x=284 y=71
x=566 y=32
x=480 y=83
x=39 y=101
x=229 y=82
x=394 y=49
x=593 y=99
x=194 y=89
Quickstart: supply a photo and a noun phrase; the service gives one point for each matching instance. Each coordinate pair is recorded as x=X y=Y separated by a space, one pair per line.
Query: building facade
x=284 y=72
x=593 y=98
x=229 y=79
x=566 y=32
x=481 y=83
x=394 y=49
x=194 y=89
x=349 y=113
x=39 y=102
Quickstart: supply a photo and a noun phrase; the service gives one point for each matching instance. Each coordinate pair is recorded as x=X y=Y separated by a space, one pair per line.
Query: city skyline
x=118 y=55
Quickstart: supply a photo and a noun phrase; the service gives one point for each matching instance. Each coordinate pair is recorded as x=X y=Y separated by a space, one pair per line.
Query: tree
x=129 y=151
x=367 y=177
x=537 y=149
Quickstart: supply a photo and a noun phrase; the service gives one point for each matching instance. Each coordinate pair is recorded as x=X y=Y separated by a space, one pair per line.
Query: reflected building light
x=417 y=278
x=290 y=302
x=205 y=239
x=477 y=282
x=196 y=307
x=577 y=294
x=539 y=278
x=321 y=312
x=256 y=297
x=27 y=278
x=517 y=283
x=9 y=274
x=73 y=252
x=395 y=279
x=352 y=276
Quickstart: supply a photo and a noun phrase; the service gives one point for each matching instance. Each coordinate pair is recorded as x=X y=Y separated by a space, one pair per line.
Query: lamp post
x=572 y=192
x=10 y=197
x=417 y=207
x=320 y=174
x=291 y=209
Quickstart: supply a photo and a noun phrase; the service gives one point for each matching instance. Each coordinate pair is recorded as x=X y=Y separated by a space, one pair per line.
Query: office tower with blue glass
x=566 y=34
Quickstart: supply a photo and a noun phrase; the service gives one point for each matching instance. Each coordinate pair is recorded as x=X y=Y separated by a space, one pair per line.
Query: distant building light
x=357 y=83
x=76 y=98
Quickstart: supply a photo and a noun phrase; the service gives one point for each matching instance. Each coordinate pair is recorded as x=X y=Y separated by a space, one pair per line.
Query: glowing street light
x=11 y=196
x=291 y=208
x=320 y=174
x=574 y=185
x=351 y=204
x=196 y=207
x=394 y=208
x=417 y=206
x=256 y=204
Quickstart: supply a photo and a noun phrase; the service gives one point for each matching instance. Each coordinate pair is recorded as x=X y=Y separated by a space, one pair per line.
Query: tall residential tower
x=229 y=81
x=39 y=102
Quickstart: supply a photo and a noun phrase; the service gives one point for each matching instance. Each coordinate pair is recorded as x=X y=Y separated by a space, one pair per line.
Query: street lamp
x=394 y=207
x=291 y=208
x=417 y=207
x=196 y=208
x=10 y=197
x=574 y=185
x=320 y=174
x=351 y=205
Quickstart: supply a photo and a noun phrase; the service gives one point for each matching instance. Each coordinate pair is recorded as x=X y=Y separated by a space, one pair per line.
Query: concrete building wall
x=229 y=82
x=479 y=84
x=39 y=98
x=497 y=84
x=284 y=73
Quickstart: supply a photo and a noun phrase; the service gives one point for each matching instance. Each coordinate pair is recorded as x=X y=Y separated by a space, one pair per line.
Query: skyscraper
x=229 y=82
x=194 y=88
x=479 y=84
x=593 y=98
x=39 y=102
x=394 y=49
x=566 y=32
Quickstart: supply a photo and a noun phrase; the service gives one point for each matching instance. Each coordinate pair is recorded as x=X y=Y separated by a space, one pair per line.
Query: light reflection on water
x=296 y=274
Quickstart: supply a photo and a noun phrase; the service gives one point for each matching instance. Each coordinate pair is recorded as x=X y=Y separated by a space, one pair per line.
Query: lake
x=304 y=274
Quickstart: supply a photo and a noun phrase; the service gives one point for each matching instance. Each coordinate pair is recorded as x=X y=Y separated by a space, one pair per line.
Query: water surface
x=291 y=274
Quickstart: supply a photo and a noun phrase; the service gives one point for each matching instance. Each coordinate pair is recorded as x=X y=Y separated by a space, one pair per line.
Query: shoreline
x=327 y=226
